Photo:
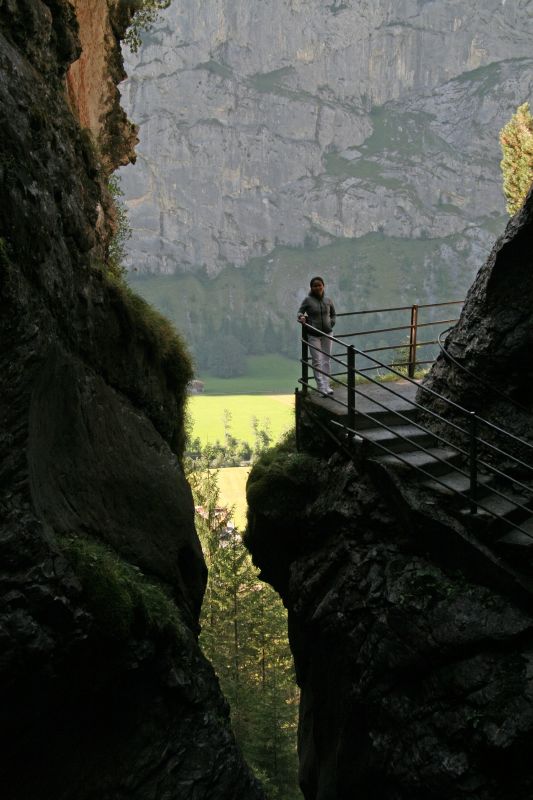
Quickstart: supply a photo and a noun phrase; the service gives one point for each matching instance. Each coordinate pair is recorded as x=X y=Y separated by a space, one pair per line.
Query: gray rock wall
x=282 y=139
x=281 y=122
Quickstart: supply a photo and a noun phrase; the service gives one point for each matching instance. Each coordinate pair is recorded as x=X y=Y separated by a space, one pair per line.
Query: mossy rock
x=283 y=482
x=122 y=600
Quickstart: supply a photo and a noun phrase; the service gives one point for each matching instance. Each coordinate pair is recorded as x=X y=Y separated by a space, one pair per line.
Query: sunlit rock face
x=104 y=692
x=278 y=122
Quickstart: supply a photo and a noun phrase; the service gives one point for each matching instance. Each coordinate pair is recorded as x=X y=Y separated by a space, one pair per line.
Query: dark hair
x=316 y=278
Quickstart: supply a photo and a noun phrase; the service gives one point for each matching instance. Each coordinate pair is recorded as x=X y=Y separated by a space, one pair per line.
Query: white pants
x=320 y=349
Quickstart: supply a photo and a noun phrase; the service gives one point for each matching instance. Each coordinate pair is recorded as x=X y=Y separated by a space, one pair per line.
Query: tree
x=516 y=139
x=228 y=357
x=145 y=14
x=244 y=636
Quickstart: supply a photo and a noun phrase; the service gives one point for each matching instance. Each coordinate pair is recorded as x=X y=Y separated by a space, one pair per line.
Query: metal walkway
x=470 y=476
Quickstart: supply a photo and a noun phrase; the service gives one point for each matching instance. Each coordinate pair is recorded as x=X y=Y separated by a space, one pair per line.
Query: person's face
x=317 y=288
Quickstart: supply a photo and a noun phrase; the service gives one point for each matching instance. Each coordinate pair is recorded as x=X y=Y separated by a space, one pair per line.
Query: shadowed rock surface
x=491 y=345
x=104 y=692
x=413 y=646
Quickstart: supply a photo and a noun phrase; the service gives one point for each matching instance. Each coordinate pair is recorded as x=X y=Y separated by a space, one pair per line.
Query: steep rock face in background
x=359 y=139
x=104 y=691
x=413 y=648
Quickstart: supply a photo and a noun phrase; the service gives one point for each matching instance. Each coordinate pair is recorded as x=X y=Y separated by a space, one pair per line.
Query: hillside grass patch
x=207 y=414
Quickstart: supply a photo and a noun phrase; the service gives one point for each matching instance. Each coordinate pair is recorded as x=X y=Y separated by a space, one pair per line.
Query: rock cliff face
x=489 y=350
x=356 y=138
x=103 y=689
x=414 y=661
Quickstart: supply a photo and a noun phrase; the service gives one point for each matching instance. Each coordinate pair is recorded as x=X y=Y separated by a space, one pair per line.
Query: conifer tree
x=516 y=139
x=244 y=636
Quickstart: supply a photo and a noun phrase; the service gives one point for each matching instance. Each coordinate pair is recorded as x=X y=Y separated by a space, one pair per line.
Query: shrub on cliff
x=516 y=140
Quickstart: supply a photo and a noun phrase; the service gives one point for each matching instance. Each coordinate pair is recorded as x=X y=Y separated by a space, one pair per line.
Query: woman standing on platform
x=318 y=311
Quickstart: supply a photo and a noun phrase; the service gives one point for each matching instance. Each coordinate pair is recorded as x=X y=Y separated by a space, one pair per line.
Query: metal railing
x=410 y=319
x=470 y=451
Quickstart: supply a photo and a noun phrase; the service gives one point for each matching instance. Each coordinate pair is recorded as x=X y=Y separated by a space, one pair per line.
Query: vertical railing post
x=297 y=412
x=305 y=360
x=412 y=341
x=472 y=425
x=351 y=386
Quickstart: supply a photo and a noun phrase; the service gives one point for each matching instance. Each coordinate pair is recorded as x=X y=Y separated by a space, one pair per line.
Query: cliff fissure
x=104 y=690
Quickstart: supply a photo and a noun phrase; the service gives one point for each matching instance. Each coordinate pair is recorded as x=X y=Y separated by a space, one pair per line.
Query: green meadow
x=207 y=414
x=232 y=485
x=266 y=392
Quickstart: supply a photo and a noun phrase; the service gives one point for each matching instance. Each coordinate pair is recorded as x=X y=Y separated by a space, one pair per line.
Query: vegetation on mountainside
x=146 y=13
x=144 y=323
x=116 y=251
x=244 y=636
x=516 y=139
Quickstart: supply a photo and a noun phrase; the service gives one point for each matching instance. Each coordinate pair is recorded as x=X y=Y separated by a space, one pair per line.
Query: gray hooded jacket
x=320 y=313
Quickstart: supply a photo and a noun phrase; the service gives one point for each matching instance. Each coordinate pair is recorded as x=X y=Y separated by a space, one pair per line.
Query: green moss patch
x=122 y=600
x=282 y=473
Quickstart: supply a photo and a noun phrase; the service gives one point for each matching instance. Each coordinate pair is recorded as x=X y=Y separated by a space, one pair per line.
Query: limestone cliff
x=413 y=654
x=104 y=692
x=355 y=138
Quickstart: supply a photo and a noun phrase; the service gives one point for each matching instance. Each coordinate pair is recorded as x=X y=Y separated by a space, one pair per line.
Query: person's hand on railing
x=302 y=318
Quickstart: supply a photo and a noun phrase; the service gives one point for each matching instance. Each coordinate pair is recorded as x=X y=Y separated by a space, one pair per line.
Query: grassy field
x=232 y=485
x=207 y=413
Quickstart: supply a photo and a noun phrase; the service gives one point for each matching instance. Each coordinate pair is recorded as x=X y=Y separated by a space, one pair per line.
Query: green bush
x=120 y=597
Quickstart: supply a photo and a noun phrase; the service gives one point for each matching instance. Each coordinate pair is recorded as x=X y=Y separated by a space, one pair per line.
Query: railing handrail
x=399 y=308
x=449 y=402
x=472 y=433
x=436 y=478
x=427 y=474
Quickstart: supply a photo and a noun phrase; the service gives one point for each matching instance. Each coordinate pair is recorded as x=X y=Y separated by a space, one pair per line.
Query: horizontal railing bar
x=396 y=413
x=398 y=308
x=401 y=345
x=410 y=380
x=504 y=453
x=425 y=389
x=427 y=411
x=439 y=438
x=396 y=328
x=506 y=433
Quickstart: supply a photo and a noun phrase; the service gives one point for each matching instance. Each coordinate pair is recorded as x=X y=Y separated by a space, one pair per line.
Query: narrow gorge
x=412 y=641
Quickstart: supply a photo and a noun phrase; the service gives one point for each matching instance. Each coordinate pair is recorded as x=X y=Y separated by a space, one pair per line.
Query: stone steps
x=436 y=461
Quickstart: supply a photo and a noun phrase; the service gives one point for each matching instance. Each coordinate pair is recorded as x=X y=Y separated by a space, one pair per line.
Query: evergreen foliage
x=244 y=636
x=117 y=246
x=145 y=15
x=227 y=357
x=516 y=139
